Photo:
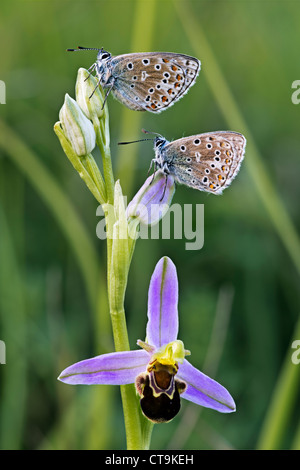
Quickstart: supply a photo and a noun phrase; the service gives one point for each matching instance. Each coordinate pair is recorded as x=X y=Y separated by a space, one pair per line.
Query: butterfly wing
x=152 y=81
x=208 y=162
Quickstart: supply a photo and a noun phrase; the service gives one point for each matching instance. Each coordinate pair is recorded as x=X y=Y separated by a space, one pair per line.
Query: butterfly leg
x=108 y=92
x=151 y=164
x=98 y=83
x=90 y=69
x=165 y=187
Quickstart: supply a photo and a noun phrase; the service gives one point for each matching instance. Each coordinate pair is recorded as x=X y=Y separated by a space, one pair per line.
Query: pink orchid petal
x=162 y=326
x=203 y=390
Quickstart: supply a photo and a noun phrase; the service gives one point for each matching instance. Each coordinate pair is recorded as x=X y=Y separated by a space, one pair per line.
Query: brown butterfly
x=145 y=81
x=207 y=162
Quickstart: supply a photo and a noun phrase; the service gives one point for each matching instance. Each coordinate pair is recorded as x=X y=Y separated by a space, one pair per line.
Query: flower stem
x=118 y=261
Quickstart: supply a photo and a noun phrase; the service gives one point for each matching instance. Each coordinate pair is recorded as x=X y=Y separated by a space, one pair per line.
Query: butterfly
x=145 y=81
x=207 y=162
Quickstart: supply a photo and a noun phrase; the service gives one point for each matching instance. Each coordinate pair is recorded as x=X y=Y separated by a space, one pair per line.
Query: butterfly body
x=150 y=81
x=207 y=162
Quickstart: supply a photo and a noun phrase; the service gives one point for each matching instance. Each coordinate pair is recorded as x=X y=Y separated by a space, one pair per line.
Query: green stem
x=82 y=164
x=103 y=141
x=118 y=263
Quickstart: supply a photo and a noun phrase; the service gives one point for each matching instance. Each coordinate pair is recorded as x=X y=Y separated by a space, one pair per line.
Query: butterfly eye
x=158 y=142
x=105 y=55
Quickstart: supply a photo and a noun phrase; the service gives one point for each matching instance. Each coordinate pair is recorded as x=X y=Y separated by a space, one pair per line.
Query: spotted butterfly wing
x=152 y=81
x=208 y=162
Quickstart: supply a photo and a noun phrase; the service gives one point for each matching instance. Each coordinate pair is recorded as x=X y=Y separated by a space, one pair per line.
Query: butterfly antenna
x=153 y=133
x=133 y=141
x=81 y=48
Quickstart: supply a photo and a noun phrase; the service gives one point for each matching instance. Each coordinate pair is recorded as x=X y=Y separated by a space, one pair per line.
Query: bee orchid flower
x=160 y=370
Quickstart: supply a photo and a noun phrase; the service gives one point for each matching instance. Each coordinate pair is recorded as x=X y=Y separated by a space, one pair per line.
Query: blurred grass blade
x=227 y=104
x=75 y=232
x=14 y=334
x=285 y=394
x=142 y=34
x=58 y=203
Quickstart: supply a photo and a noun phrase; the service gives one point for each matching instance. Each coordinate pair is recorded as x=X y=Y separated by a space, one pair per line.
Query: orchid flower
x=159 y=369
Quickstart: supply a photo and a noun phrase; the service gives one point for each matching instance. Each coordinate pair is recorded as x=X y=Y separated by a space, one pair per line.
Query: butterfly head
x=159 y=143
x=103 y=56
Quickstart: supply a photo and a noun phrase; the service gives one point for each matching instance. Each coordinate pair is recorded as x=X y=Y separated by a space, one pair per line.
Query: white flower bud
x=88 y=94
x=77 y=128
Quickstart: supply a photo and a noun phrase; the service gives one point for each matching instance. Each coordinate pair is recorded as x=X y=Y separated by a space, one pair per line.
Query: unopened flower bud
x=88 y=94
x=77 y=128
x=152 y=201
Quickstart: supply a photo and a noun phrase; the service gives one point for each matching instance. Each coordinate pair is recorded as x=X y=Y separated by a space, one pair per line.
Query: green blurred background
x=239 y=295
